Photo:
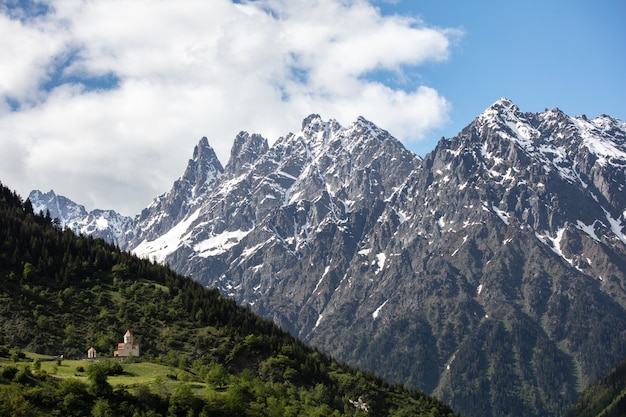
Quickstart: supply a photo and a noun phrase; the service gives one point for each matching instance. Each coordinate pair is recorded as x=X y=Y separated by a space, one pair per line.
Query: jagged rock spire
x=246 y=150
x=204 y=169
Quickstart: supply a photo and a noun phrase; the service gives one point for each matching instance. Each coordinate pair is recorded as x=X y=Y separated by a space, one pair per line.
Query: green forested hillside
x=605 y=398
x=61 y=294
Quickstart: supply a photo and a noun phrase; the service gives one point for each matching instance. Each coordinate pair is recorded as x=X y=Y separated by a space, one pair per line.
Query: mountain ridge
x=465 y=273
x=105 y=224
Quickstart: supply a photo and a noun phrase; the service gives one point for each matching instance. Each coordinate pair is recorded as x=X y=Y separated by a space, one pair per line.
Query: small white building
x=91 y=353
x=128 y=347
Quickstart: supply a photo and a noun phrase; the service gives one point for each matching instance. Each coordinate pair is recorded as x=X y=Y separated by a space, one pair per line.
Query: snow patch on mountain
x=158 y=249
x=220 y=243
x=616 y=226
x=588 y=229
x=376 y=312
x=555 y=244
x=381 y=258
x=606 y=148
x=501 y=213
x=321 y=279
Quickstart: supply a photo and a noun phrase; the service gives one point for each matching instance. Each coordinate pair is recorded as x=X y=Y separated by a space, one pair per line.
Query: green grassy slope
x=605 y=398
x=200 y=353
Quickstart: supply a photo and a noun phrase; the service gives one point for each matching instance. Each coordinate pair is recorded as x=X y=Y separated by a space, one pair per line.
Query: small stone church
x=128 y=347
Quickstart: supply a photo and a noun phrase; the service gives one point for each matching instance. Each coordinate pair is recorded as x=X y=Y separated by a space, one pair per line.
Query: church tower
x=128 y=348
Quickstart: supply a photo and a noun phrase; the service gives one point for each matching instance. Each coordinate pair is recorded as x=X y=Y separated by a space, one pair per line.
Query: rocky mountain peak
x=247 y=149
x=363 y=128
x=329 y=136
x=187 y=192
x=502 y=122
x=204 y=169
x=106 y=224
x=605 y=137
x=315 y=133
x=312 y=122
x=501 y=109
x=204 y=151
x=60 y=207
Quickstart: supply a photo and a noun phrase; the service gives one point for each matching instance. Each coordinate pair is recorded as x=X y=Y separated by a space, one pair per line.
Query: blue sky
x=103 y=101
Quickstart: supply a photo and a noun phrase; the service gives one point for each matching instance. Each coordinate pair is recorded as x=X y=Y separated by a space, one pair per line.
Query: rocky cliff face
x=512 y=240
x=492 y=272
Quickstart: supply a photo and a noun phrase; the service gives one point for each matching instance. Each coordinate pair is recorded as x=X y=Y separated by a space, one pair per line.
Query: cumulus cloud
x=104 y=100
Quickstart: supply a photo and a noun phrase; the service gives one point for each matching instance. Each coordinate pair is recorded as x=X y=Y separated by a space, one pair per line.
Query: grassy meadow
x=160 y=379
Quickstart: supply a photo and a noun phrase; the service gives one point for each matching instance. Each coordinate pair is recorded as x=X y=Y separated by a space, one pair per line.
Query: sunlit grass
x=158 y=378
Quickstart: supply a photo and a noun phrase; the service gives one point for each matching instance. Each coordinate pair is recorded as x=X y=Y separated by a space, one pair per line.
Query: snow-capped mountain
x=105 y=224
x=319 y=175
x=187 y=193
x=491 y=273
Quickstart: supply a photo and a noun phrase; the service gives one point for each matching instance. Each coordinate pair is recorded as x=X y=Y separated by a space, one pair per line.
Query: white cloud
x=194 y=68
x=25 y=53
